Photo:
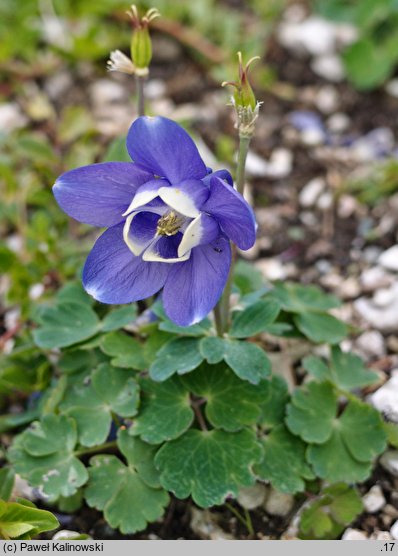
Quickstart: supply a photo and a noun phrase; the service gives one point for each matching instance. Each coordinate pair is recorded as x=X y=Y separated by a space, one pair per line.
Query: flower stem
x=139 y=82
x=96 y=449
x=223 y=305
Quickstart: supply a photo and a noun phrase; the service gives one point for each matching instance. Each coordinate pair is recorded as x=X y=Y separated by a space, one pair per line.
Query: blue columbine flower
x=168 y=220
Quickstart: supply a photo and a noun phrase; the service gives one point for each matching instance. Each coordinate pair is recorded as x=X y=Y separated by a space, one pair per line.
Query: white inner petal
x=192 y=236
x=178 y=200
x=141 y=199
x=152 y=255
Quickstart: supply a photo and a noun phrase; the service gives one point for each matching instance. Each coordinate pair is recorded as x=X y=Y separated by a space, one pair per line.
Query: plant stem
x=195 y=404
x=223 y=305
x=96 y=449
x=245 y=520
x=244 y=143
x=218 y=320
x=139 y=82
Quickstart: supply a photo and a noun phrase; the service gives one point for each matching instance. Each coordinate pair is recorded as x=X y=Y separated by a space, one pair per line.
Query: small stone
x=325 y=201
x=349 y=288
x=375 y=278
x=391 y=511
x=36 y=291
x=314 y=35
x=392 y=343
x=279 y=503
x=338 y=123
x=394 y=531
x=312 y=137
x=278 y=166
x=385 y=399
x=311 y=192
x=66 y=534
x=57 y=84
x=11 y=117
x=252 y=497
x=327 y=99
x=204 y=524
x=329 y=67
x=354 y=535
x=392 y=88
x=383 y=318
x=389 y=259
x=389 y=460
x=374 y=500
x=22 y=489
x=381 y=536
x=105 y=92
x=155 y=88
x=272 y=269
x=384 y=297
x=371 y=343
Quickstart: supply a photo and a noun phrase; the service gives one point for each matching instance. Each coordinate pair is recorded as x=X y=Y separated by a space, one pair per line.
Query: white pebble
x=252 y=497
x=279 y=503
x=329 y=67
x=371 y=343
x=354 y=535
x=374 y=500
x=311 y=192
x=11 y=117
x=339 y=122
x=394 y=531
x=385 y=399
x=389 y=460
x=389 y=259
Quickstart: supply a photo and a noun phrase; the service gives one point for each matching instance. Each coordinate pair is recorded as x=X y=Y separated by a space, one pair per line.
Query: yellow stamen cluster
x=169 y=224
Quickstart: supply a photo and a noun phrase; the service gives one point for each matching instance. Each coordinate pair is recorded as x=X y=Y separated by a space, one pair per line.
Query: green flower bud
x=141 y=44
x=141 y=49
x=244 y=100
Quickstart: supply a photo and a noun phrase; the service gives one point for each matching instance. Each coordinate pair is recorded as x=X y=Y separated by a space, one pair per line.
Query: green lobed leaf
x=357 y=438
x=126 y=351
x=44 y=456
x=247 y=277
x=362 y=430
x=120 y=317
x=328 y=516
x=316 y=367
x=273 y=406
x=180 y=356
x=348 y=370
x=296 y=298
x=247 y=360
x=65 y=324
x=391 y=430
x=154 y=342
x=254 y=319
x=7 y=477
x=321 y=327
x=127 y=494
x=208 y=465
x=165 y=411
x=195 y=330
x=73 y=292
x=230 y=403
x=23 y=519
x=367 y=63
x=284 y=463
x=91 y=402
x=312 y=411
